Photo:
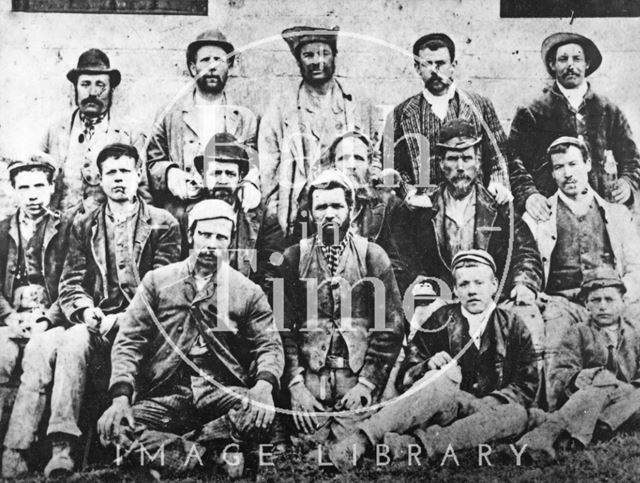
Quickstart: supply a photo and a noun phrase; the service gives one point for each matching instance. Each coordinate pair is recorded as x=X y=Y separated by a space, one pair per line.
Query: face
x=460 y=169
x=352 y=158
x=570 y=171
x=211 y=69
x=119 y=178
x=317 y=63
x=605 y=305
x=93 y=94
x=475 y=287
x=570 y=65
x=33 y=192
x=209 y=237
x=222 y=175
x=436 y=70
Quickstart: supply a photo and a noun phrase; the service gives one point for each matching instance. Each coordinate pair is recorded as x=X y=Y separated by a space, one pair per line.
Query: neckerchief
x=89 y=126
x=332 y=253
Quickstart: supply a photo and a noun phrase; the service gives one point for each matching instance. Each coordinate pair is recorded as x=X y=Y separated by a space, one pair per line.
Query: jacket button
x=179 y=328
x=323 y=348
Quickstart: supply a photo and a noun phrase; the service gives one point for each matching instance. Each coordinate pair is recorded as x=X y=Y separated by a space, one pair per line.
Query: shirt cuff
x=367 y=383
x=270 y=378
x=121 y=389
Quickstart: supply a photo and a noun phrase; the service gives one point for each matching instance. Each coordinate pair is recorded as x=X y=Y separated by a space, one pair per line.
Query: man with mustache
x=298 y=126
x=75 y=140
x=570 y=107
x=338 y=357
x=582 y=233
x=197 y=346
x=417 y=121
x=109 y=250
x=187 y=127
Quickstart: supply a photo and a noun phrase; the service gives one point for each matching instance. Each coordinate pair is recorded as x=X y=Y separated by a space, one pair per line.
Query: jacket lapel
x=142 y=233
x=486 y=214
x=410 y=124
x=14 y=232
x=438 y=224
x=50 y=231
x=98 y=245
x=188 y=114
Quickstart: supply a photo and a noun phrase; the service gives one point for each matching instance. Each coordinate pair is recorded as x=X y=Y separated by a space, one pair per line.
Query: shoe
x=13 y=463
x=232 y=461
x=346 y=454
x=398 y=445
x=61 y=463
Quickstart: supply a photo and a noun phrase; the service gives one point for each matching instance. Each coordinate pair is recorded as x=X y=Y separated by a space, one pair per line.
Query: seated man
x=197 y=345
x=31 y=258
x=594 y=372
x=470 y=373
x=109 y=250
x=339 y=357
x=583 y=232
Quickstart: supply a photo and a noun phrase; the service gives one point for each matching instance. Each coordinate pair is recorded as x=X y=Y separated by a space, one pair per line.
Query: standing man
x=595 y=371
x=340 y=357
x=109 y=250
x=204 y=311
x=470 y=373
x=570 y=107
x=75 y=140
x=298 y=126
x=32 y=249
x=182 y=132
x=418 y=120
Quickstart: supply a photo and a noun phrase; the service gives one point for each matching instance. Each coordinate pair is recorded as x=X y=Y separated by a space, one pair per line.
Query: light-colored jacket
x=285 y=165
x=621 y=229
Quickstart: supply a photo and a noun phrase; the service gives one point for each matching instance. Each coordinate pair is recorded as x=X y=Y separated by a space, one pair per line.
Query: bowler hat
x=444 y=38
x=552 y=42
x=458 y=134
x=601 y=277
x=41 y=162
x=225 y=148
x=208 y=37
x=297 y=36
x=211 y=210
x=473 y=257
x=94 y=61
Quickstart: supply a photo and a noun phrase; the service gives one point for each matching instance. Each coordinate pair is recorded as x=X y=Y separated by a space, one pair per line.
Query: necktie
x=611 y=362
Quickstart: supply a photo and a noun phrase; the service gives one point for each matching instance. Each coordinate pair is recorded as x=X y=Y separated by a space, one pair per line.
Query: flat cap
x=444 y=38
x=473 y=257
x=553 y=41
x=41 y=162
x=225 y=148
x=297 y=36
x=211 y=210
x=458 y=134
x=601 y=277
x=578 y=142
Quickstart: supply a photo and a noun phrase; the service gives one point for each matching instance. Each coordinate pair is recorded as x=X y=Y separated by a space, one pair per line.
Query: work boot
x=61 y=463
x=540 y=441
x=399 y=445
x=13 y=463
x=346 y=454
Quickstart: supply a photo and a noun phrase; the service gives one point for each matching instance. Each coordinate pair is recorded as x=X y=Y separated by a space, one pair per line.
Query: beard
x=327 y=74
x=332 y=233
x=206 y=87
x=460 y=186
x=224 y=193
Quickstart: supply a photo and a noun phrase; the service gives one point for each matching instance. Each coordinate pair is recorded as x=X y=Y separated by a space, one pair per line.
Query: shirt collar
x=444 y=99
x=478 y=322
x=578 y=208
x=129 y=215
x=574 y=96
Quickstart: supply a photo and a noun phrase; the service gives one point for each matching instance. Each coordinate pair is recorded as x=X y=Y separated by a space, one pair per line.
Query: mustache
x=92 y=99
x=461 y=177
x=436 y=76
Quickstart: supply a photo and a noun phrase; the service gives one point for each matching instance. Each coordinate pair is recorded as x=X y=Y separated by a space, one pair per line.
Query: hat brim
x=551 y=44
x=296 y=37
x=460 y=147
x=226 y=46
x=30 y=167
x=114 y=75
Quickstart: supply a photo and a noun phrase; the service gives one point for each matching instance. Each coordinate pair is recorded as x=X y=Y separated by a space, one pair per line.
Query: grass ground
x=617 y=460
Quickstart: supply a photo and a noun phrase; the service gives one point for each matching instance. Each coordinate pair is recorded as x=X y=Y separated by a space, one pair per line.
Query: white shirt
x=574 y=96
x=578 y=207
x=440 y=104
x=460 y=211
x=478 y=322
x=210 y=117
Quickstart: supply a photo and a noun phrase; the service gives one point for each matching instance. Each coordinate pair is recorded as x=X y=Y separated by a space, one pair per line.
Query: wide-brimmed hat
x=444 y=38
x=457 y=134
x=300 y=35
x=552 y=42
x=41 y=162
x=224 y=148
x=209 y=37
x=94 y=61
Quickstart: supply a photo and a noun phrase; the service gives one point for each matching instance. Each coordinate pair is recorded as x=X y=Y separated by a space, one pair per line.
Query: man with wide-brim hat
x=300 y=124
x=183 y=130
x=571 y=107
x=594 y=371
x=76 y=138
x=412 y=130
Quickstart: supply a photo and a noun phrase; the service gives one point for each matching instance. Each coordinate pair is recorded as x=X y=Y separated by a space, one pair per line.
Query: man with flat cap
x=469 y=376
x=197 y=346
x=299 y=125
x=570 y=107
x=414 y=127
x=595 y=371
x=74 y=140
x=182 y=133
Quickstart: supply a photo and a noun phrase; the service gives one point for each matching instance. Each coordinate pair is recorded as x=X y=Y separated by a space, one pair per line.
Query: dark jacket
x=507 y=361
x=371 y=353
x=550 y=116
x=419 y=235
x=246 y=347
x=584 y=346
x=84 y=277
x=54 y=249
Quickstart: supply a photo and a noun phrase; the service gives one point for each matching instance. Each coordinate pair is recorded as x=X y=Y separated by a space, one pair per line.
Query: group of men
x=442 y=289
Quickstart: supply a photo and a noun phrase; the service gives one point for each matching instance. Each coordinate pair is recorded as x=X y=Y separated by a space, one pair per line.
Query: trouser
x=9 y=356
x=329 y=386
x=435 y=410
x=62 y=359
